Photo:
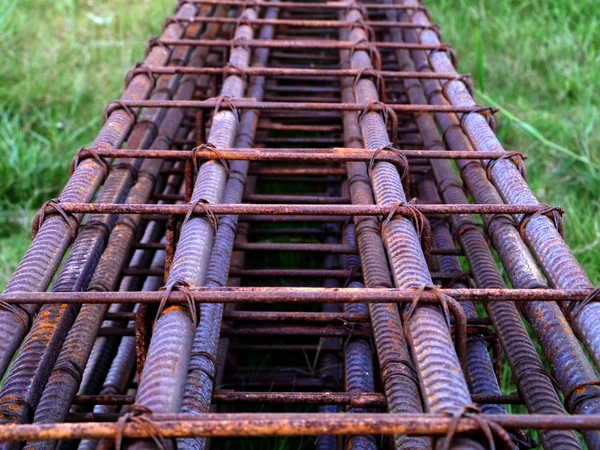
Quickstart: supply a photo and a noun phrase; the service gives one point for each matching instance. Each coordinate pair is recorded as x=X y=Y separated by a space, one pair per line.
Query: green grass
x=62 y=62
x=540 y=61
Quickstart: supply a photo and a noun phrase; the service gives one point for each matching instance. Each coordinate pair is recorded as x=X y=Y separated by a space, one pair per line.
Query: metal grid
x=242 y=235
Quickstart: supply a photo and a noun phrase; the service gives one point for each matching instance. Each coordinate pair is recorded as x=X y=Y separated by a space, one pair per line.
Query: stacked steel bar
x=244 y=258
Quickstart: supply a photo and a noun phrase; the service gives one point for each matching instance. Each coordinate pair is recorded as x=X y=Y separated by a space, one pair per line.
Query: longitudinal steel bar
x=66 y=375
x=528 y=370
x=441 y=378
x=163 y=379
x=29 y=375
x=547 y=245
x=201 y=377
x=259 y=183
x=402 y=393
x=570 y=366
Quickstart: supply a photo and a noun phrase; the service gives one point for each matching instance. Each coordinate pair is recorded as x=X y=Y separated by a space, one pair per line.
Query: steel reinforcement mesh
x=297 y=229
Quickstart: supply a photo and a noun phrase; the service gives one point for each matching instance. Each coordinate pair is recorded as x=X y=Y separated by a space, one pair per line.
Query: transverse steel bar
x=285 y=209
x=281 y=424
x=286 y=294
x=357 y=399
x=295 y=106
x=301 y=5
x=295 y=154
x=293 y=72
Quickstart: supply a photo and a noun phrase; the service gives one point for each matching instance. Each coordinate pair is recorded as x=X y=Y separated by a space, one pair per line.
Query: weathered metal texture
x=330 y=363
x=338 y=204
x=163 y=380
x=538 y=391
x=481 y=375
x=281 y=424
x=304 y=295
x=396 y=368
x=37 y=357
x=570 y=366
x=358 y=356
x=200 y=381
x=67 y=373
x=540 y=234
x=441 y=377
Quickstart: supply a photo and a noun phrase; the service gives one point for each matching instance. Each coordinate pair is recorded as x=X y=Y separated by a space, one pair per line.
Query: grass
x=63 y=61
x=540 y=62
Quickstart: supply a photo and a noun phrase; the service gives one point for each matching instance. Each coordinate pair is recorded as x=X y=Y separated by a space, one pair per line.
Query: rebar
x=241 y=256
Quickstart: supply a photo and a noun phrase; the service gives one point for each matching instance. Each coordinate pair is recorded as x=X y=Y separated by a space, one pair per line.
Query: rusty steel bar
x=540 y=234
x=299 y=424
x=446 y=389
x=528 y=370
x=295 y=44
x=292 y=72
x=285 y=294
x=316 y=23
x=286 y=210
x=293 y=154
x=295 y=106
x=356 y=399
x=52 y=240
x=39 y=353
x=200 y=380
x=301 y=5
x=164 y=377
x=402 y=392
x=295 y=266
x=570 y=366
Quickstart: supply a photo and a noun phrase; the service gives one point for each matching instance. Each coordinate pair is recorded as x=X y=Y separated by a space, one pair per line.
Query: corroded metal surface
x=268 y=238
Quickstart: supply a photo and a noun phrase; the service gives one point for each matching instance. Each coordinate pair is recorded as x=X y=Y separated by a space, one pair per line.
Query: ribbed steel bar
x=36 y=359
x=359 y=370
x=260 y=185
x=200 y=380
x=168 y=360
x=444 y=388
x=570 y=366
x=528 y=370
x=123 y=364
x=547 y=245
x=403 y=394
